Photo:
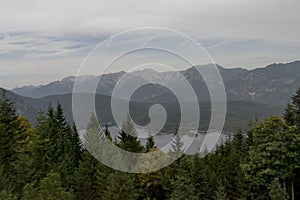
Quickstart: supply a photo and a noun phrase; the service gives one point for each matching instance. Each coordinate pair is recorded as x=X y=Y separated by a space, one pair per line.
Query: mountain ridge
x=260 y=84
x=260 y=92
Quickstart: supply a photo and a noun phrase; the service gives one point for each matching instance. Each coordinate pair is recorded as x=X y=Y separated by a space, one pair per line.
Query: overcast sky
x=42 y=41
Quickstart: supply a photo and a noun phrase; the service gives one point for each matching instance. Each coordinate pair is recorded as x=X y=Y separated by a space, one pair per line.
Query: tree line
x=48 y=161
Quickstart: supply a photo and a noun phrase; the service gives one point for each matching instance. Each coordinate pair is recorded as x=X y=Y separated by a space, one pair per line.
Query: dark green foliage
x=150 y=143
x=181 y=184
x=107 y=133
x=289 y=115
x=277 y=192
x=273 y=155
x=8 y=132
x=221 y=193
x=128 y=137
x=56 y=148
x=121 y=186
x=296 y=107
x=6 y=195
x=49 y=162
x=86 y=179
x=50 y=188
x=292 y=118
x=13 y=159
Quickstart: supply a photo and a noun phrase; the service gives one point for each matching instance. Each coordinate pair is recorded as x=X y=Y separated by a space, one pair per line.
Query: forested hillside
x=49 y=161
x=239 y=113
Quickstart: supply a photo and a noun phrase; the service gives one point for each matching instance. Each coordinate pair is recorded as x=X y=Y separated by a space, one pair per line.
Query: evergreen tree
x=204 y=177
x=57 y=146
x=8 y=113
x=272 y=155
x=29 y=192
x=197 y=179
x=289 y=115
x=182 y=188
x=176 y=150
x=221 y=193
x=8 y=131
x=6 y=195
x=292 y=117
x=76 y=146
x=51 y=188
x=13 y=140
x=45 y=146
x=151 y=182
x=122 y=186
x=107 y=133
x=128 y=141
x=150 y=142
x=182 y=183
x=92 y=175
x=86 y=177
x=93 y=134
x=296 y=107
x=226 y=162
x=128 y=137
x=276 y=191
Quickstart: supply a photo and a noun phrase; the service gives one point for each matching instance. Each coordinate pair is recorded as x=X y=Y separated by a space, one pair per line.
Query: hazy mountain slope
x=238 y=113
x=273 y=84
x=251 y=94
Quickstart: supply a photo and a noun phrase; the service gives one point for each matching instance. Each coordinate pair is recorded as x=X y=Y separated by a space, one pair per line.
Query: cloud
x=255 y=19
x=30 y=45
x=52 y=37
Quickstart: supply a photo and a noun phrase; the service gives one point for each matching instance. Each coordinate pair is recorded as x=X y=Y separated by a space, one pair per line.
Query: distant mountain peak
x=69 y=78
x=274 y=83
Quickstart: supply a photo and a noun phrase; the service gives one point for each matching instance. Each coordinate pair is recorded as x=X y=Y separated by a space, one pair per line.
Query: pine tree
x=51 y=188
x=276 y=191
x=129 y=142
x=8 y=129
x=29 y=192
x=6 y=195
x=86 y=177
x=176 y=150
x=44 y=147
x=151 y=182
x=121 y=185
x=221 y=193
x=296 y=107
x=69 y=147
x=292 y=117
x=57 y=146
x=76 y=145
x=7 y=112
x=107 y=133
x=13 y=136
x=93 y=135
x=128 y=137
x=150 y=142
x=91 y=175
x=182 y=186
x=289 y=115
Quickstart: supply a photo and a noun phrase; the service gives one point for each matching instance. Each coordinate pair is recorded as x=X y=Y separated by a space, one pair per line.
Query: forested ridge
x=48 y=161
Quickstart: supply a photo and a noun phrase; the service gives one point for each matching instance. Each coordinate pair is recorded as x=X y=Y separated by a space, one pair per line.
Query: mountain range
x=251 y=94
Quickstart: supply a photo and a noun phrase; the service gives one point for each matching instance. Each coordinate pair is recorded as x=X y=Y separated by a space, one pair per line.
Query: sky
x=42 y=41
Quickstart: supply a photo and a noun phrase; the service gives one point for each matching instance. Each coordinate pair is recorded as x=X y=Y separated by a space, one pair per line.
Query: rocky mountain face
x=273 y=84
x=251 y=94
